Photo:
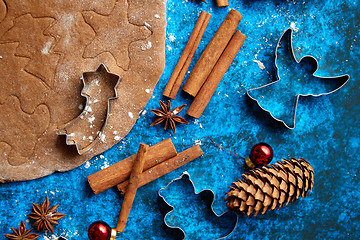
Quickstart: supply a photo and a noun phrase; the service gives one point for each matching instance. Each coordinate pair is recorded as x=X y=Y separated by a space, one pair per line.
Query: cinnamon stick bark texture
x=164 y=167
x=132 y=188
x=212 y=53
x=182 y=66
x=222 y=3
x=120 y=172
x=201 y=100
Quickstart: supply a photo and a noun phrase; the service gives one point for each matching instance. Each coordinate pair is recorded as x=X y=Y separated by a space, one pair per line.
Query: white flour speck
x=147 y=90
x=88 y=109
x=143 y=112
x=91 y=119
x=87 y=165
x=81 y=106
x=131 y=115
x=102 y=137
x=157 y=16
x=105 y=165
x=117 y=138
x=172 y=37
x=292 y=25
x=102 y=156
x=91 y=138
x=46 y=48
x=115 y=132
x=260 y=64
x=146 y=46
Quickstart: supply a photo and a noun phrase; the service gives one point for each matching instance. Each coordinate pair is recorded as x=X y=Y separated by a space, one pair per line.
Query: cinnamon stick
x=164 y=168
x=212 y=53
x=207 y=90
x=119 y=172
x=132 y=188
x=222 y=3
x=182 y=66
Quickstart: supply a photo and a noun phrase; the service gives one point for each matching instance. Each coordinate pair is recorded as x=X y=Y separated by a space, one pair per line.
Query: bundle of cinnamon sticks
x=148 y=164
x=182 y=66
x=212 y=65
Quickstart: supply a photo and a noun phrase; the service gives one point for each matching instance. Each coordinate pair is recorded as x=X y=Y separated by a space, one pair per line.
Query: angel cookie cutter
x=87 y=129
x=295 y=79
x=207 y=192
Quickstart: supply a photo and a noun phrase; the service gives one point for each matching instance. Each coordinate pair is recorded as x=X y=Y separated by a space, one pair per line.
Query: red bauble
x=99 y=230
x=260 y=154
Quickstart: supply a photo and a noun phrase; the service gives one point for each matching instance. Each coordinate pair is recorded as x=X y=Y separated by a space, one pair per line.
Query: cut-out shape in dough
x=15 y=81
x=30 y=125
x=118 y=46
x=87 y=129
x=25 y=30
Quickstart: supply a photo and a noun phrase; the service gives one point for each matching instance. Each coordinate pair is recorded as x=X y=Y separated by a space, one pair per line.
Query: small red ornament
x=260 y=154
x=100 y=230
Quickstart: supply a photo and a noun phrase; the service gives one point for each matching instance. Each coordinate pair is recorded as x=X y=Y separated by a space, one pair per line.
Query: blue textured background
x=327 y=134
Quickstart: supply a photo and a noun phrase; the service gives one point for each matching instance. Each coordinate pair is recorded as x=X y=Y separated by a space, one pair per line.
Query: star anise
x=22 y=233
x=165 y=114
x=45 y=217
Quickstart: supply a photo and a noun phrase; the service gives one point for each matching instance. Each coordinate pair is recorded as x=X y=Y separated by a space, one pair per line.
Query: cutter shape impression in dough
x=87 y=129
x=295 y=79
x=186 y=176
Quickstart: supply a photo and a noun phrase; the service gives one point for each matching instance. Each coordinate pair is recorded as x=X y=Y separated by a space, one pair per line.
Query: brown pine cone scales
x=270 y=186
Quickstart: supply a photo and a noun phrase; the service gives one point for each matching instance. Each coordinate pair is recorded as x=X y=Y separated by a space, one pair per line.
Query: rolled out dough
x=45 y=46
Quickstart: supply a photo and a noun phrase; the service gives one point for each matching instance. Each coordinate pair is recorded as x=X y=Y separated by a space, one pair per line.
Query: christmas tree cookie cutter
x=207 y=193
x=88 y=128
x=280 y=98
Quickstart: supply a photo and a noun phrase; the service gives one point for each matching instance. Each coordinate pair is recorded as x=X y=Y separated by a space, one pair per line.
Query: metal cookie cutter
x=206 y=194
x=61 y=238
x=294 y=79
x=99 y=88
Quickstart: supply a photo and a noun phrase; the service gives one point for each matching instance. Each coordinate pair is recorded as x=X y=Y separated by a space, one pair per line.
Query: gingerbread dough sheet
x=45 y=46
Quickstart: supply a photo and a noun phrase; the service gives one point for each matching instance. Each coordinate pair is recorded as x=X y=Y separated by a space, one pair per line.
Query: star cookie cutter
x=326 y=85
x=92 y=84
x=205 y=191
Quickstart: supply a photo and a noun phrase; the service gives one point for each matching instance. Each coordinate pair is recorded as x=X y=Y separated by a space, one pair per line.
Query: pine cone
x=270 y=186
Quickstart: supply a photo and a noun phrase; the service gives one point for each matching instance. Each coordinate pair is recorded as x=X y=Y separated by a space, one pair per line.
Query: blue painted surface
x=327 y=133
